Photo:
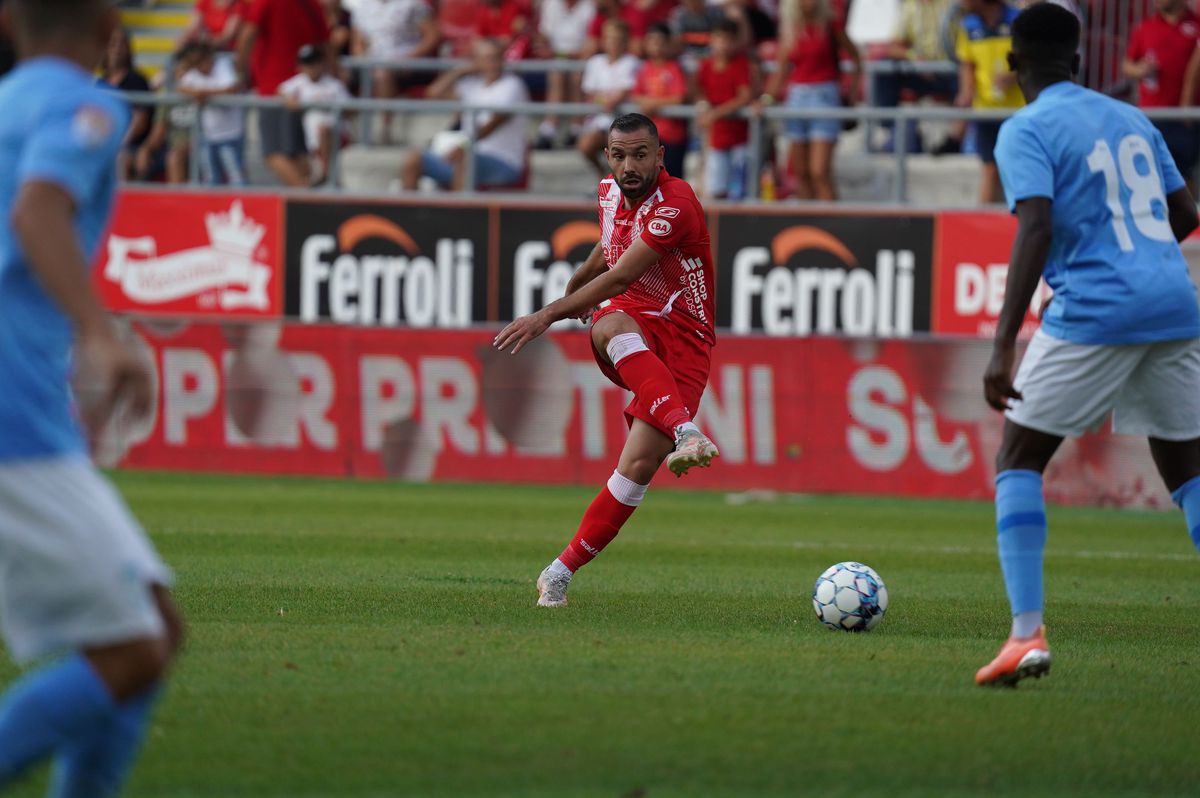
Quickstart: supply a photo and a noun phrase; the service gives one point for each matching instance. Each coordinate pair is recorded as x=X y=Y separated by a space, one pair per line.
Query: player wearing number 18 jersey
x=654 y=265
x=1101 y=209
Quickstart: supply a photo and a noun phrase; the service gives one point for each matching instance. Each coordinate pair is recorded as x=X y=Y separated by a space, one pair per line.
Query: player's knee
x=640 y=469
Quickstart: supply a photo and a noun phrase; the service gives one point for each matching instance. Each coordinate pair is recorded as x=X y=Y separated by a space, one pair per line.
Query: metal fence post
x=468 y=152
x=366 y=86
x=332 y=181
x=900 y=140
x=195 y=143
x=754 y=157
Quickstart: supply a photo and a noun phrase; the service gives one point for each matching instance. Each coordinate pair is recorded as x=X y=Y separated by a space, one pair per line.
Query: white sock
x=557 y=568
x=687 y=426
x=1025 y=624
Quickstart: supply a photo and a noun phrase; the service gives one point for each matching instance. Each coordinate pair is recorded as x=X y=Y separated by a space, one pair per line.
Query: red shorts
x=685 y=353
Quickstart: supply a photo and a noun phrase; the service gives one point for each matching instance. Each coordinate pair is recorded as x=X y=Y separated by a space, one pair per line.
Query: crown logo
x=234 y=234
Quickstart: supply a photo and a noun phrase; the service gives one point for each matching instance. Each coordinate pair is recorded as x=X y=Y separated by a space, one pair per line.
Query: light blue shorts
x=813 y=95
x=489 y=170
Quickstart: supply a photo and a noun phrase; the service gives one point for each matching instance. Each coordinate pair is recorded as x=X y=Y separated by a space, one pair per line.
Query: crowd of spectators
x=722 y=56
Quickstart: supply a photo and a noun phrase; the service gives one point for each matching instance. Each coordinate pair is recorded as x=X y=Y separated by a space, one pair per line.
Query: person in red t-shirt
x=1158 y=57
x=660 y=82
x=273 y=34
x=218 y=22
x=654 y=338
x=726 y=82
x=808 y=59
x=509 y=22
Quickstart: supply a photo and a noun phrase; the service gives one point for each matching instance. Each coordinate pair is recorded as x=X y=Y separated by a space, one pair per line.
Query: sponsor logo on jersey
x=667 y=211
x=91 y=126
x=657 y=403
x=659 y=227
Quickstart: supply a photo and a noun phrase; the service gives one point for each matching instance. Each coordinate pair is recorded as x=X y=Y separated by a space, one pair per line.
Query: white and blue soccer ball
x=850 y=596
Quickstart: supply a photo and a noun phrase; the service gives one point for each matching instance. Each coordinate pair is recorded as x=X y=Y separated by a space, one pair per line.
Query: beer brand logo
x=227 y=265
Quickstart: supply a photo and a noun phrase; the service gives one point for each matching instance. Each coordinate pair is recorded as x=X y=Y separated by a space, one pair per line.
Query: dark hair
x=659 y=28
x=1046 y=34
x=36 y=20
x=727 y=26
x=631 y=123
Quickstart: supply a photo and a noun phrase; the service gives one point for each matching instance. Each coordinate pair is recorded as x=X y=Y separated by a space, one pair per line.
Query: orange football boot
x=1019 y=658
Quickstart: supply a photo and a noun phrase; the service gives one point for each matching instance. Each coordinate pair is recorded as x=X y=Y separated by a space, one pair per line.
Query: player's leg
x=654 y=388
x=643 y=453
x=1179 y=465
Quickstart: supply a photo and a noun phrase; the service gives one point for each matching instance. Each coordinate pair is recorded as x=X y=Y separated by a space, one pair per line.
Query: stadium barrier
x=801 y=415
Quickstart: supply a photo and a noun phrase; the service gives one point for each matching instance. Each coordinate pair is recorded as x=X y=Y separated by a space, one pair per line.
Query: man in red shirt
x=660 y=82
x=1158 y=57
x=274 y=32
x=654 y=338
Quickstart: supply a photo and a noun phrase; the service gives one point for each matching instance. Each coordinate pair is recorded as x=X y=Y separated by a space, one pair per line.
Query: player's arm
x=43 y=220
x=1028 y=261
x=629 y=269
x=1181 y=212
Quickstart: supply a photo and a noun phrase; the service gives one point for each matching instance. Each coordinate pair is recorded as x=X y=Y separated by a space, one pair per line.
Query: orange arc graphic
x=795 y=239
x=359 y=228
x=571 y=235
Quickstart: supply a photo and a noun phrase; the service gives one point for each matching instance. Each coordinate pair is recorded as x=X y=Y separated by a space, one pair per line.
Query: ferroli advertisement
x=790 y=274
x=386 y=264
x=540 y=248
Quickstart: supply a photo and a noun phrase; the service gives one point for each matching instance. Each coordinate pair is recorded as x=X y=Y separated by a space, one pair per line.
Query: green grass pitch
x=375 y=639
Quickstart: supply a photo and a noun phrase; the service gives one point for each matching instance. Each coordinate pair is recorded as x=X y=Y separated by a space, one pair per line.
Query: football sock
x=604 y=518
x=48 y=711
x=1021 y=535
x=1188 y=498
x=96 y=767
x=649 y=378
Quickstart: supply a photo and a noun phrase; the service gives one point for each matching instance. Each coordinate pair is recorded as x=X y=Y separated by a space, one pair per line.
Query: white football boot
x=692 y=449
x=552 y=587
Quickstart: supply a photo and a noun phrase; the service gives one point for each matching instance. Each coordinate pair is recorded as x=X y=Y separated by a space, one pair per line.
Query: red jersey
x=1170 y=46
x=640 y=19
x=681 y=286
x=498 y=21
x=719 y=86
x=215 y=16
x=657 y=81
x=814 y=54
x=284 y=26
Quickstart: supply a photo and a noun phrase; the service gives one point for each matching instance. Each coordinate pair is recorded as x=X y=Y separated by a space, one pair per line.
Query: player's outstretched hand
x=109 y=373
x=997 y=380
x=522 y=331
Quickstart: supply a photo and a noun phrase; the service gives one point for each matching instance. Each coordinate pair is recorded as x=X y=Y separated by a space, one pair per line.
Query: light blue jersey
x=1117 y=273
x=56 y=126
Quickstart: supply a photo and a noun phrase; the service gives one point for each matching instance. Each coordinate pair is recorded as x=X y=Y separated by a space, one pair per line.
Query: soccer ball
x=850 y=596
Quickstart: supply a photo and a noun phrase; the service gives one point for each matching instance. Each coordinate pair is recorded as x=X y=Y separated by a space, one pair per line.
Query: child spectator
x=660 y=82
x=314 y=84
x=166 y=151
x=692 y=23
x=224 y=129
x=563 y=27
x=727 y=82
x=608 y=78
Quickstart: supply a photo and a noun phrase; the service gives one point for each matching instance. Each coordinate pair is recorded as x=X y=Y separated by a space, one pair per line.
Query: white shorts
x=1152 y=390
x=75 y=567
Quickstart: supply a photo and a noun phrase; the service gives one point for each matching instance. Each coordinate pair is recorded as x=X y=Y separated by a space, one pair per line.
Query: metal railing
x=901 y=118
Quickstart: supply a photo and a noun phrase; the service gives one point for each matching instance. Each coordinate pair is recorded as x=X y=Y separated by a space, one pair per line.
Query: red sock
x=604 y=518
x=654 y=386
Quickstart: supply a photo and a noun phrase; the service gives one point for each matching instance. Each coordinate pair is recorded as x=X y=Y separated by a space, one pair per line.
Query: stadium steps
x=154 y=32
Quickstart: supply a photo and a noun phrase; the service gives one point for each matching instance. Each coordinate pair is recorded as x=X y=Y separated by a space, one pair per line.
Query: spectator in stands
x=605 y=10
x=916 y=39
x=167 y=149
x=509 y=22
x=759 y=31
x=1160 y=53
x=222 y=158
x=984 y=80
x=808 y=59
x=218 y=22
x=314 y=84
x=693 y=22
x=563 y=28
x=608 y=78
x=391 y=31
x=337 y=19
x=118 y=72
x=660 y=82
x=500 y=146
x=274 y=32
x=726 y=83
x=641 y=15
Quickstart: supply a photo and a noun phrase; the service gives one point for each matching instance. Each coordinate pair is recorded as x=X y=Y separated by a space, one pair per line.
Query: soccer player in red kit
x=654 y=338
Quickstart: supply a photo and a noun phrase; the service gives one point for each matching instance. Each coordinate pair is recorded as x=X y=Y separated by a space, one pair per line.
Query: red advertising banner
x=800 y=415
x=193 y=254
x=969 y=269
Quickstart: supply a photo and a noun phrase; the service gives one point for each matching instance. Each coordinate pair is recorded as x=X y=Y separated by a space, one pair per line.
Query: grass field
x=373 y=639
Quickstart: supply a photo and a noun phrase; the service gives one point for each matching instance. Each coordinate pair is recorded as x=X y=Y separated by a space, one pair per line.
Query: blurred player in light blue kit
x=78 y=578
x=1100 y=209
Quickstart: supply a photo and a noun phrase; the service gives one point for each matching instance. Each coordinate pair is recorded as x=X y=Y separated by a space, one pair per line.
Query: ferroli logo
x=386 y=289
x=794 y=299
x=541 y=269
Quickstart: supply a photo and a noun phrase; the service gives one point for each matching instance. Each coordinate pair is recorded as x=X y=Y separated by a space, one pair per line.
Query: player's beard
x=637 y=191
